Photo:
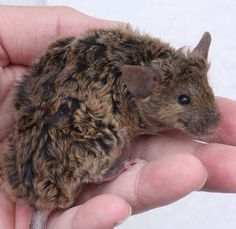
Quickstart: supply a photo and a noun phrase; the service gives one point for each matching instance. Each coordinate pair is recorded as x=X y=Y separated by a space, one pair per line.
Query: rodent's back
x=51 y=146
x=69 y=110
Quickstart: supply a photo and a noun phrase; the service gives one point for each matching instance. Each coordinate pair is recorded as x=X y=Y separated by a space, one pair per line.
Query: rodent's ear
x=203 y=46
x=139 y=80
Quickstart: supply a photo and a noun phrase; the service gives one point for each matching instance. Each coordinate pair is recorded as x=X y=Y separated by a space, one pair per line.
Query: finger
x=7 y=211
x=101 y=212
x=156 y=183
x=22 y=216
x=227 y=109
x=220 y=161
x=5 y=82
x=26 y=31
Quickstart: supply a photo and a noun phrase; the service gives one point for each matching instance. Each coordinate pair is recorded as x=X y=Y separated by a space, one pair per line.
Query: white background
x=181 y=23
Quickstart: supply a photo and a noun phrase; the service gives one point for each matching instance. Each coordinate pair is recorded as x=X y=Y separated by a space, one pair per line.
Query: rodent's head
x=173 y=91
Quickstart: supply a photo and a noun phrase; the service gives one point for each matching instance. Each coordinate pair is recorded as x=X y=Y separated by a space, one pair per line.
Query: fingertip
x=220 y=161
x=88 y=20
x=194 y=170
x=94 y=22
x=83 y=22
x=169 y=179
x=227 y=130
x=112 y=206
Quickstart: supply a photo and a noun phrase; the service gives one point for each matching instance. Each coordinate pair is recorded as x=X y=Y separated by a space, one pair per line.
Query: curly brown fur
x=80 y=105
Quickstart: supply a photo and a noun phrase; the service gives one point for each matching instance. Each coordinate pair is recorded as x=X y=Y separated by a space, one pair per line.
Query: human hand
x=174 y=167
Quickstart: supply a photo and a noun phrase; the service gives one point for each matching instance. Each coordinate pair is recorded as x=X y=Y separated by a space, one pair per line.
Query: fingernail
x=123 y=220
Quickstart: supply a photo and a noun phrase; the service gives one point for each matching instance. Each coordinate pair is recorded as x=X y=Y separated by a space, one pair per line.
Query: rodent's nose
x=205 y=124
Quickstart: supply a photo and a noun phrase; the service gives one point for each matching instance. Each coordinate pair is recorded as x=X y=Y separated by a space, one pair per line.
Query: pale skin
x=173 y=166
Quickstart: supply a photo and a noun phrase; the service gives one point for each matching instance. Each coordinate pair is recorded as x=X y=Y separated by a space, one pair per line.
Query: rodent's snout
x=204 y=125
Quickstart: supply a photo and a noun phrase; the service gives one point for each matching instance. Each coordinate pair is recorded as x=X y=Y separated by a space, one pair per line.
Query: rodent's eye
x=184 y=99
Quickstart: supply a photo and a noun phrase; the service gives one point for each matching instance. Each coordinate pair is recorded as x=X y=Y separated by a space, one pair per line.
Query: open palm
x=172 y=167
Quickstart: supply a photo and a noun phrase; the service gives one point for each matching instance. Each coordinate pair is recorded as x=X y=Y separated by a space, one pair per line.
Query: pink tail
x=39 y=219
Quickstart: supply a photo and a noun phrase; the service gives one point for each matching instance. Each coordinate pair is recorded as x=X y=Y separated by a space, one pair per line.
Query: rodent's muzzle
x=204 y=125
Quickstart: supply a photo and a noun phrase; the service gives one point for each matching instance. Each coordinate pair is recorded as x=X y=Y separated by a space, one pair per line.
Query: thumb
x=27 y=31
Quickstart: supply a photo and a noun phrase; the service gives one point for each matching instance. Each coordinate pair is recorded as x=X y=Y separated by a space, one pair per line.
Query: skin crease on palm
x=172 y=166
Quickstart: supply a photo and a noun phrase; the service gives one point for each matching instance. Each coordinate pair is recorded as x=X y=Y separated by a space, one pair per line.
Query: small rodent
x=84 y=100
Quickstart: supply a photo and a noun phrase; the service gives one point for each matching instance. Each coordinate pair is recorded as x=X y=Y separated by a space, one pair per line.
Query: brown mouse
x=84 y=100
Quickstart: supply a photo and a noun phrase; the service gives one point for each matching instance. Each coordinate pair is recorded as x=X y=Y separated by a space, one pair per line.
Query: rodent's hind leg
x=119 y=167
x=39 y=219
